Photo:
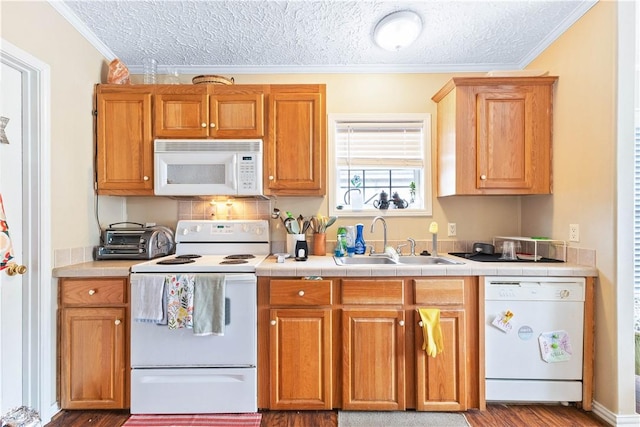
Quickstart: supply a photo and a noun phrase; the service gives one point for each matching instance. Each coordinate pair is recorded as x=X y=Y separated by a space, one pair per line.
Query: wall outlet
x=451 y=229
x=574 y=233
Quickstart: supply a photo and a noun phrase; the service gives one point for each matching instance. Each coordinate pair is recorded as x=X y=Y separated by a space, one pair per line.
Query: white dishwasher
x=534 y=338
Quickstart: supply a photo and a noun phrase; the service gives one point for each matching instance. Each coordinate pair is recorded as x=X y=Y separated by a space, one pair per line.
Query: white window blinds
x=390 y=144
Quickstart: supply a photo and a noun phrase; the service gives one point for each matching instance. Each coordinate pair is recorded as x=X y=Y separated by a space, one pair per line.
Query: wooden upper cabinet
x=124 y=142
x=203 y=111
x=295 y=151
x=495 y=136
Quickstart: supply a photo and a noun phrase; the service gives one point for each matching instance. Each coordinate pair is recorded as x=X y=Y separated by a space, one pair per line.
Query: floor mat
x=197 y=420
x=404 y=419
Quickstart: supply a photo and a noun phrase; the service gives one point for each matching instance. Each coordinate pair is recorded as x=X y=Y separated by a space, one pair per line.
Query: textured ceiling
x=319 y=36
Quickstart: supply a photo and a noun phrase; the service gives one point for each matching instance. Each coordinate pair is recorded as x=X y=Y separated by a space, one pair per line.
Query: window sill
x=372 y=212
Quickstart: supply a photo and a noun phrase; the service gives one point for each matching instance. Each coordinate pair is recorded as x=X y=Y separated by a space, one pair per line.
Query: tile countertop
x=107 y=268
x=326 y=266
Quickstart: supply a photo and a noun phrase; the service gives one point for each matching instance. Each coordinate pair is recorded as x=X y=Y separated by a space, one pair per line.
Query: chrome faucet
x=412 y=242
x=384 y=232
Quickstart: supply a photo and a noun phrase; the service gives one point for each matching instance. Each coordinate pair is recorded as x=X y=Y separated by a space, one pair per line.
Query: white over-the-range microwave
x=208 y=167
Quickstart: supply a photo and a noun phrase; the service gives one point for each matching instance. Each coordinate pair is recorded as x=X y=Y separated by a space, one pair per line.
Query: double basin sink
x=403 y=260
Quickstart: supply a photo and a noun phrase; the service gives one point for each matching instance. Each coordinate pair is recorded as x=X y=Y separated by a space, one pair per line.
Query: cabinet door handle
x=270 y=177
x=483 y=177
x=301 y=293
x=92 y=291
x=273 y=323
x=145 y=178
x=212 y=125
x=203 y=124
x=401 y=323
x=117 y=322
x=420 y=323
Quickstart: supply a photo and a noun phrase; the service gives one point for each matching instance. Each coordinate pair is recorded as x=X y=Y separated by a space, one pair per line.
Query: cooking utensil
x=482 y=248
x=291 y=225
x=330 y=221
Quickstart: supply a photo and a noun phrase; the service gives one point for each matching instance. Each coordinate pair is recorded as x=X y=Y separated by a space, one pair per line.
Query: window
x=380 y=162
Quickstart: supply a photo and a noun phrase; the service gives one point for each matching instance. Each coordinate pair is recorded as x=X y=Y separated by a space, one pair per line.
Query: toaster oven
x=135 y=242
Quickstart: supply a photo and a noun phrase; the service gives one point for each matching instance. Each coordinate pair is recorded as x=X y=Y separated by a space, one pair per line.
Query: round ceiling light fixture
x=397 y=30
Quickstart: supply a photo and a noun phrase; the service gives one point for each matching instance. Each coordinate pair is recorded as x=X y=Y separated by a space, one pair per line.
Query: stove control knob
x=259 y=231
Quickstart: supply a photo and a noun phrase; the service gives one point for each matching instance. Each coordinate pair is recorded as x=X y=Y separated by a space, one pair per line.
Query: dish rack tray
x=535 y=242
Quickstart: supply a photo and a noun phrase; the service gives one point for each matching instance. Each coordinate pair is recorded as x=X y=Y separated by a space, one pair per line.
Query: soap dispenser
x=361 y=246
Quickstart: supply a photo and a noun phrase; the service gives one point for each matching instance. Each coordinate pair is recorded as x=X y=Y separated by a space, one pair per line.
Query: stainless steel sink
x=383 y=260
x=363 y=260
x=426 y=260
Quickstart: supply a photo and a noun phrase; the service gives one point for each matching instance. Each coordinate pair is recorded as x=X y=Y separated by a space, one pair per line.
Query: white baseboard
x=615 y=419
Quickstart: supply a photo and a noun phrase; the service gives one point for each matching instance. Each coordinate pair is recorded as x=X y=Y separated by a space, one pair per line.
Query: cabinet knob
x=13 y=269
x=483 y=177
x=92 y=291
x=273 y=323
x=204 y=125
x=212 y=125
x=420 y=323
x=145 y=178
x=401 y=323
x=301 y=293
x=270 y=177
x=117 y=322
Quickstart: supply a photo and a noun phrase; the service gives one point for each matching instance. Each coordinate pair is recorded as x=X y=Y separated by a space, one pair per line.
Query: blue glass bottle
x=361 y=246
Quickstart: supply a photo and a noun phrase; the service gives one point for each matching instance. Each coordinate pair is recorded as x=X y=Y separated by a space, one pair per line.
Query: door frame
x=39 y=324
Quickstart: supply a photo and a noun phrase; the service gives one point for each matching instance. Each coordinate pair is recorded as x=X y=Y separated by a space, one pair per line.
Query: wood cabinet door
x=300 y=359
x=505 y=139
x=182 y=115
x=295 y=155
x=373 y=359
x=441 y=380
x=93 y=358
x=237 y=115
x=124 y=154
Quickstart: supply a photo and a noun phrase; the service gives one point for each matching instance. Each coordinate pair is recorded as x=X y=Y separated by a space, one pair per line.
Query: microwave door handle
x=232 y=172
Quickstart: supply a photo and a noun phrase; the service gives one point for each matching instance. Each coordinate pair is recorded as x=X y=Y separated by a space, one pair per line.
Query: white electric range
x=174 y=370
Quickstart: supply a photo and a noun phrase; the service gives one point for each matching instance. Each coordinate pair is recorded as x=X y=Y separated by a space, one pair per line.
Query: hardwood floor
x=495 y=416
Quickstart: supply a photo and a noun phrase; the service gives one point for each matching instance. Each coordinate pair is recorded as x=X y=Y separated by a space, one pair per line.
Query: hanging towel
x=6 y=250
x=208 y=304
x=179 y=300
x=147 y=295
x=431 y=331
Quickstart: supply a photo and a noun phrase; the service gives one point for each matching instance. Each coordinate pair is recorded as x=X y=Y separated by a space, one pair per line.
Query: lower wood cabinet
x=441 y=381
x=373 y=359
x=93 y=343
x=300 y=344
x=355 y=344
x=300 y=368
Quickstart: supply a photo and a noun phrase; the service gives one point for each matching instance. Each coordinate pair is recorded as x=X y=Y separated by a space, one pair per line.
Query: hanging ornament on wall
x=3 y=135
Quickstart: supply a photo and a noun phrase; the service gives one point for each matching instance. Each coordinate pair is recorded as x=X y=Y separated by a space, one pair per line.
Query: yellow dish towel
x=431 y=331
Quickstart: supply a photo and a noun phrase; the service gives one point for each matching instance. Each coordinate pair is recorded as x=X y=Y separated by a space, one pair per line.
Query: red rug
x=198 y=420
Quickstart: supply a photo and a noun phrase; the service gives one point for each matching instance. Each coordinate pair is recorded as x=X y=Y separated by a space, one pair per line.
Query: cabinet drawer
x=93 y=291
x=439 y=291
x=300 y=292
x=372 y=291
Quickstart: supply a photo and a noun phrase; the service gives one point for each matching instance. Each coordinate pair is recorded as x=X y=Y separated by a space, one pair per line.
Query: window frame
x=426 y=192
